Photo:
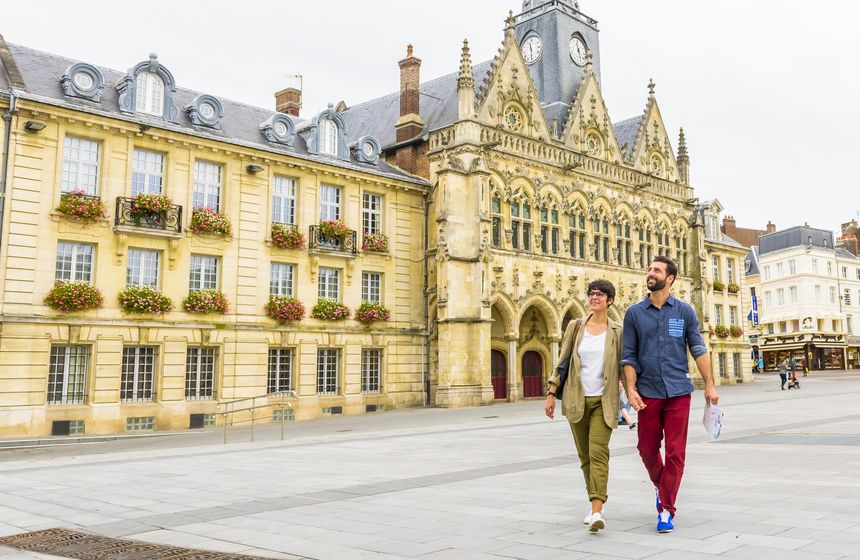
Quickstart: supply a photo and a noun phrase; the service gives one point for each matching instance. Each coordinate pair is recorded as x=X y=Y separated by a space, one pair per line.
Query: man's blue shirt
x=655 y=343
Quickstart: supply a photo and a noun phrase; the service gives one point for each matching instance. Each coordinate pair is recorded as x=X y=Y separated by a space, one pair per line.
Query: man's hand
x=635 y=400
x=711 y=396
x=549 y=407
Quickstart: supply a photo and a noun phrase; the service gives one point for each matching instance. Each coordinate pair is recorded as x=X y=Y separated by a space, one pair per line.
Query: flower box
x=142 y=299
x=146 y=204
x=719 y=286
x=721 y=331
x=284 y=309
x=209 y=222
x=369 y=312
x=205 y=301
x=81 y=207
x=69 y=297
x=736 y=331
x=374 y=243
x=733 y=288
x=334 y=229
x=287 y=236
x=330 y=310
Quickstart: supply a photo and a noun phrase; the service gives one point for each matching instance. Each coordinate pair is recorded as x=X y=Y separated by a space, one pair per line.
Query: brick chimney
x=771 y=227
x=410 y=124
x=729 y=225
x=289 y=101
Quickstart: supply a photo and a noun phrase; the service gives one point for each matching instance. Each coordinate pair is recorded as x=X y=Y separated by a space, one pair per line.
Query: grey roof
x=751 y=262
x=844 y=253
x=625 y=133
x=42 y=71
x=438 y=106
x=795 y=237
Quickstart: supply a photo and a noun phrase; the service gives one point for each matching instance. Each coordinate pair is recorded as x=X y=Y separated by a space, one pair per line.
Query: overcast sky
x=767 y=91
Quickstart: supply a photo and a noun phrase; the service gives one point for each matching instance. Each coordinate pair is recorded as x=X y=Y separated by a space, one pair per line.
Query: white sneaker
x=587 y=520
x=597 y=522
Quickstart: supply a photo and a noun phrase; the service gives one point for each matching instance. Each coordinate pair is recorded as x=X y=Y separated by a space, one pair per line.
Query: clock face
x=367 y=149
x=84 y=81
x=531 y=49
x=207 y=111
x=577 y=50
x=280 y=129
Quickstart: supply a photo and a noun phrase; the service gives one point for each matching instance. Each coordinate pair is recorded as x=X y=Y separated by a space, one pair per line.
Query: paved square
x=497 y=482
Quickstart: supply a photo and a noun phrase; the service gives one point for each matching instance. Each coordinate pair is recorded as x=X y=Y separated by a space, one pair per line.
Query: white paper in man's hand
x=713 y=420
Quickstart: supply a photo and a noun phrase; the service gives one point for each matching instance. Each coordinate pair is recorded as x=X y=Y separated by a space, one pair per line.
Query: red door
x=532 y=374
x=498 y=371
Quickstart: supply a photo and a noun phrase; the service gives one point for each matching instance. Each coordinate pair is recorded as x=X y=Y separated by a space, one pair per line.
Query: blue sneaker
x=658 y=503
x=664 y=522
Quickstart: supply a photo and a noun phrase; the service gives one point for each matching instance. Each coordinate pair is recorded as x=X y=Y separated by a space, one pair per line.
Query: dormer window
x=149 y=94
x=328 y=137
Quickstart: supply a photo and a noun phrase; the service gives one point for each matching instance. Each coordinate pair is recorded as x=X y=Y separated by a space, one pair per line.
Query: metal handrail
x=229 y=409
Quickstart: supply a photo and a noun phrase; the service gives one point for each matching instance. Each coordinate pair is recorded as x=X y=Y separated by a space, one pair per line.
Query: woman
x=590 y=396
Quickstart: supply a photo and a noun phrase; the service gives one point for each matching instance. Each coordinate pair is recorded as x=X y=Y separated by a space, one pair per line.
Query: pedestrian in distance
x=657 y=333
x=624 y=407
x=589 y=394
x=783 y=373
x=761 y=365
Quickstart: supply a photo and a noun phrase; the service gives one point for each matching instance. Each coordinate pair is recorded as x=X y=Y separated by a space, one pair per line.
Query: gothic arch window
x=549 y=230
x=496 y=214
x=521 y=225
x=624 y=241
x=576 y=232
x=663 y=244
x=600 y=230
x=681 y=250
x=149 y=94
x=646 y=249
x=328 y=137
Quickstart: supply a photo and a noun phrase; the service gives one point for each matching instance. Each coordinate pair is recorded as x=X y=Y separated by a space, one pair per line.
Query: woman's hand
x=549 y=407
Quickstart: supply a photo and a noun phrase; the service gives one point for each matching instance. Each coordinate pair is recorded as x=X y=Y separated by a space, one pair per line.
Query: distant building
x=850 y=238
x=745 y=236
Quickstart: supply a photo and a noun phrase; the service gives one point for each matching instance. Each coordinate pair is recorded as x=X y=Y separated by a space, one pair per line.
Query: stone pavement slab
x=496 y=482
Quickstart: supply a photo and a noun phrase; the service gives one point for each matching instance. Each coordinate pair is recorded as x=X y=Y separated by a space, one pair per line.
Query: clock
x=280 y=128
x=577 y=50
x=368 y=150
x=531 y=49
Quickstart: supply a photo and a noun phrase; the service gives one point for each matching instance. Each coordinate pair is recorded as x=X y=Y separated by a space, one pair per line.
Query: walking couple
x=651 y=349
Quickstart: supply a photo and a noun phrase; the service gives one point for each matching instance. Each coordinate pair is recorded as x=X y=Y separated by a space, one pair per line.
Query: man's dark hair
x=604 y=286
x=671 y=267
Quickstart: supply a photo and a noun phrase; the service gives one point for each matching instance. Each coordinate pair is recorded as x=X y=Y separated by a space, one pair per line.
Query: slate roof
x=625 y=133
x=794 y=237
x=751 y=261
x=41 y=73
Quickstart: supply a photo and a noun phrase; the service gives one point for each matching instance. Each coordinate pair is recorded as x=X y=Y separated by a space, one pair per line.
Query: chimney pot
x=288 y=101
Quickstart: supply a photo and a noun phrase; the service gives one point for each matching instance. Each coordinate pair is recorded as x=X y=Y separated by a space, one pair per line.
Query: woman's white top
x=591 y=363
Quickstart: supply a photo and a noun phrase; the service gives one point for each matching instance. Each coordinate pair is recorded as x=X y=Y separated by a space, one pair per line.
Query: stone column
x=513 y=386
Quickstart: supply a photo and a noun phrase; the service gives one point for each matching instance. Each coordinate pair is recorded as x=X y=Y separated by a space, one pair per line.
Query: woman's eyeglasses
x=595 y=294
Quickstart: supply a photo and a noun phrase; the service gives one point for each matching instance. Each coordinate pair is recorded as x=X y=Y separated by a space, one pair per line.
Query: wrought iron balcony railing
x=129 y=214
x=318 y=241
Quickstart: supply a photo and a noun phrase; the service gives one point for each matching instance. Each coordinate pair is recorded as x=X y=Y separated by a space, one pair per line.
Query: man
x=657 y=332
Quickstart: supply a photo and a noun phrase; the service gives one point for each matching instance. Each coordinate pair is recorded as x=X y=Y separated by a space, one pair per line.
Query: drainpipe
x=426 y=350
x=4 y=167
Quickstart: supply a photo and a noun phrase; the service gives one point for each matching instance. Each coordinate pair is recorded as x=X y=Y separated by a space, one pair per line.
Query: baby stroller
x=793 y=382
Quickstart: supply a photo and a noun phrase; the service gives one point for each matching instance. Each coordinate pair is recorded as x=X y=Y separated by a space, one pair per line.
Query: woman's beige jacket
x=573 y=397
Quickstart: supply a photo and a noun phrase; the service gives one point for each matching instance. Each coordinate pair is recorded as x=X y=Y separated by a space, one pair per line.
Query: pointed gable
x=507 y=98
x=588 y=128
x=652 y=150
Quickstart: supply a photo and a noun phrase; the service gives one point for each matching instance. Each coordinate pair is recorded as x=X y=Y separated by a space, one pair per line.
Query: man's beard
x=656 y=286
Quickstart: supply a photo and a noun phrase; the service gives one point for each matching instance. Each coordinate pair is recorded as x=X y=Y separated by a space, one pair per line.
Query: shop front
x=811 y=352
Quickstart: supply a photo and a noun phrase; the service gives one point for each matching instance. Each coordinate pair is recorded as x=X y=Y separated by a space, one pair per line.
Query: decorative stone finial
x=465 y=80
x=682 y=144
x=509 y=22
x=651 y=88
x=409 y=50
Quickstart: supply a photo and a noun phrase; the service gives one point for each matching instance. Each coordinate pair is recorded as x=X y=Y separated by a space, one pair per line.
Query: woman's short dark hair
x=604 y=286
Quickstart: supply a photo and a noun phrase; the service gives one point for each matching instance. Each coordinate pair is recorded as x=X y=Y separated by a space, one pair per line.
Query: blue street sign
x=755 y=311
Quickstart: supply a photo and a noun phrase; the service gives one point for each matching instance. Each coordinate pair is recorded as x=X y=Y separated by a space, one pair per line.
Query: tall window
x=328 y=137
x=601 y=239
x=844 y=272
x=327 y=368
x=832 y=294
x=207 y=186
x=147 y=172
x=715 y=267
x=718 y=314
x=283 y=200
x=371 y=287
x=74 y=262
x=200 y=372
x=663 y=243
x=280 y=370
x=792 y=294
x=80 y=165
x=623 y=243
x=371 y=370
x=848 y=327
x=780 y=296
x=733 y=315
x=792 y=267
x=681 y=251
x=767 y=299
x=281 y=281
x=329 y=284
x=138 y=373
x=721 y=361
x=549 y=231
x=829 y=268
x=521 y=226
x=371 y=213
x=730 y=271
x=329 y=203
x=149 y=94
x=814 y=266
x=576 y=234
x=204 y=273
x=67 y=374
x=767 y=272
x=646 y=253
x=779 y=270
x=736 y=364
x=142 y=269
x=496 y=210
x=818 y=298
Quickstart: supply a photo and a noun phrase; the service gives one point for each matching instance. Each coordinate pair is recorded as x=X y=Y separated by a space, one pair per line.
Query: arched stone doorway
x=532 y=368
x=498 y=374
